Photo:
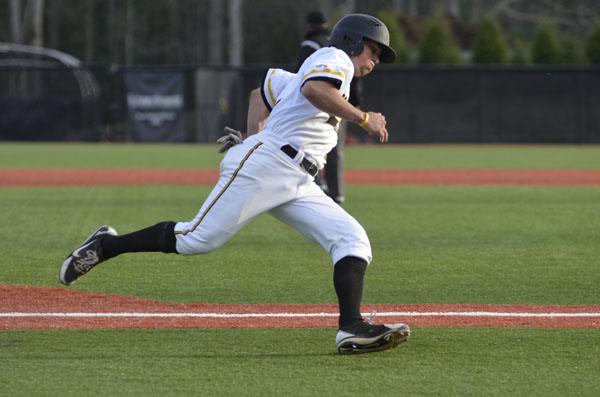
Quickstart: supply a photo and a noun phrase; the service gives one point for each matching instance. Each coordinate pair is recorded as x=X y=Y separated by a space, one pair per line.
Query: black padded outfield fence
x=422 y=104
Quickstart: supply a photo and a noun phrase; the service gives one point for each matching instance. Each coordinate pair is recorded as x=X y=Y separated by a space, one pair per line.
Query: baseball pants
x=256 y=176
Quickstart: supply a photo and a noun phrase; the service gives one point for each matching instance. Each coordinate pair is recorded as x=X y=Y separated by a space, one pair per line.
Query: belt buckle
x=311 y=168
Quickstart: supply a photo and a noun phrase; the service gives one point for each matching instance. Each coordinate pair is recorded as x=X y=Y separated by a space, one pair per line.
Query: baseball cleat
x=369 y=338
x=85 y=257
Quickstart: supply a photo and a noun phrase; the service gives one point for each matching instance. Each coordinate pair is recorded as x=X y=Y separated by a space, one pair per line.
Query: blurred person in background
x=317 y=36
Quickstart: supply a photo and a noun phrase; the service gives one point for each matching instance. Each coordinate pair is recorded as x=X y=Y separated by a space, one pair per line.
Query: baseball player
x=317 y=37
x=273 y=171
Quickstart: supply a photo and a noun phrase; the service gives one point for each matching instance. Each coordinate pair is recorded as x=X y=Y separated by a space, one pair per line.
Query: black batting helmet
x=349 y=33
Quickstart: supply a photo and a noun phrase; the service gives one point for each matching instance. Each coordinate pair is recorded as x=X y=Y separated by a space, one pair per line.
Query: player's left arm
x=326 y=97
x=257 y=115
x=263 y=99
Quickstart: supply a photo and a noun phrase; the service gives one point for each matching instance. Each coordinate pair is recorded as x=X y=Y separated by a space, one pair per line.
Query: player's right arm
x=326 y=97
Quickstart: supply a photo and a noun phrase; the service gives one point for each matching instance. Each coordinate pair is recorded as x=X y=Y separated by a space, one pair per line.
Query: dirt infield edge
x=30 y=307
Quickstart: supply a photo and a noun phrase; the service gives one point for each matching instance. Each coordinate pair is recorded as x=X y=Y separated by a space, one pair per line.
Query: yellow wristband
x=365 y=121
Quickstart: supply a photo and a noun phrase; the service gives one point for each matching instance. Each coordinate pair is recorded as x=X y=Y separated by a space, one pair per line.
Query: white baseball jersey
x=257 y=176
x=273 y=84
x=295 y=119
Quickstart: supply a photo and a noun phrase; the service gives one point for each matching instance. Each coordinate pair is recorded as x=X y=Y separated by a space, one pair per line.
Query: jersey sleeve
x=328 y=66
x=273 y=85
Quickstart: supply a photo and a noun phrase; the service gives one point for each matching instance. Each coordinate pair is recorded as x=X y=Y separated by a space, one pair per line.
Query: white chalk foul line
x=288 y=315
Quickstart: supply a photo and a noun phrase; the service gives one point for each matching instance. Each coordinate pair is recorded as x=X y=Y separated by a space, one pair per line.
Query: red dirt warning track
x=33 y=177
x=25 y=307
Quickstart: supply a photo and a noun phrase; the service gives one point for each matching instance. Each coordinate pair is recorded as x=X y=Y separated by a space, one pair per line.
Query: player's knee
x=355 y=244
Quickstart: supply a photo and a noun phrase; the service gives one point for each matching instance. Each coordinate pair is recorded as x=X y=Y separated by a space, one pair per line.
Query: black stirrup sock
x=348 y=276
x=157 y=238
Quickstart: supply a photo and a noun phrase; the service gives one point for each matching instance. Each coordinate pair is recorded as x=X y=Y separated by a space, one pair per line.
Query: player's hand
x=232 y=137
x=376 y=126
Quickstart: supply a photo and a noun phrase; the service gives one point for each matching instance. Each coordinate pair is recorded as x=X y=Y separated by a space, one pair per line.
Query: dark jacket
x=312 y=42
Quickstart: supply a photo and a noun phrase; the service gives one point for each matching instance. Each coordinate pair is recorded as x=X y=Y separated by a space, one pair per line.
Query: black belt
x=308 y=165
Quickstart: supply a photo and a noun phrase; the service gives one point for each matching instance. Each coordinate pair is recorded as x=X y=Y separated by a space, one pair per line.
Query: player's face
x=365 y=62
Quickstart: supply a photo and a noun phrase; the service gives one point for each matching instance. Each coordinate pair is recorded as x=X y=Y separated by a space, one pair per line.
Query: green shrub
x=572 y=52
x=438 y=45
x=546 y=47
x=592 y=45
x=489 y=46
x=520 y=54
x=397 y=41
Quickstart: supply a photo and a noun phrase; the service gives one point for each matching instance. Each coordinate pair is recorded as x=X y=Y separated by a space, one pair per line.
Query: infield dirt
x=27 y=307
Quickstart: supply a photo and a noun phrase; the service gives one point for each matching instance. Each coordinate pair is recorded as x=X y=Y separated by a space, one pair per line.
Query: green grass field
x=60 y=155
x=498 y=245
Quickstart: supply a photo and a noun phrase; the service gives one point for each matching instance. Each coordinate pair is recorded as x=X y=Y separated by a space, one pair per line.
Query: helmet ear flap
x=354 y=44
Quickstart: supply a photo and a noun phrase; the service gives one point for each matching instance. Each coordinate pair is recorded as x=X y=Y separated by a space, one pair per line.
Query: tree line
x=216 y=32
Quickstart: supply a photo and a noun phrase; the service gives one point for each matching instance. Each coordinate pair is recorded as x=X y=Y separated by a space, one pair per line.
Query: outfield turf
x=302 y=362
x=430 y=245
x=498 y=245
x=60 y=155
